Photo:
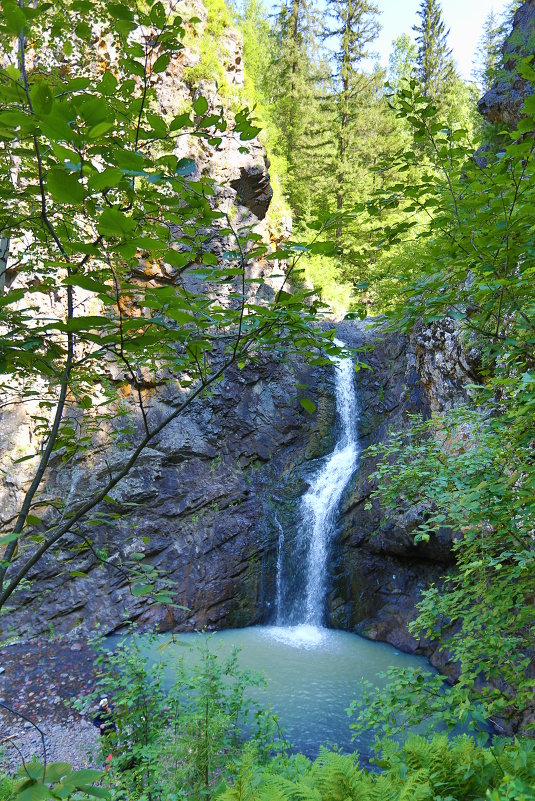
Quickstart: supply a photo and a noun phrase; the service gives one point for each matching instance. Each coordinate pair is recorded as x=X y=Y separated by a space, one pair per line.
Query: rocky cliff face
x=198 y=506
x=205 y=504
x=502 y=103
x=378 y=570
x=192 y=448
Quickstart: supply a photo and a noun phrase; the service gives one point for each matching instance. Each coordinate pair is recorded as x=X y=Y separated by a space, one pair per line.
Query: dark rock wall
x=203 y=496
x=206 y=501
x=378 y=571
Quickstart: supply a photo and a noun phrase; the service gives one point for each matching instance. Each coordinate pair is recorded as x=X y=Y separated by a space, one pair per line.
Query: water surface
x=313 y=675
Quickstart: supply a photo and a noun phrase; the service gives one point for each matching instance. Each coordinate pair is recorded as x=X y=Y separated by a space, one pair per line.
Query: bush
x=179 y=742
x=6 y=787
x=422 y=769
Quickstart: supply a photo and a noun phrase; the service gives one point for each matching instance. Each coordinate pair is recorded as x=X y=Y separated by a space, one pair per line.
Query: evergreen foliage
x=471 y=469
x=487 y=57
x=330 y=127
x=434 y=63
x=354 y=26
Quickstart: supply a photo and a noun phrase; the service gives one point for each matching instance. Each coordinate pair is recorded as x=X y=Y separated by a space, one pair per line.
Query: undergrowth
x=435 y=769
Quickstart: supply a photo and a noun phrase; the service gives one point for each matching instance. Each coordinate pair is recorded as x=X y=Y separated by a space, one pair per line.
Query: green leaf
x=106 y=179
x=87 y=282
x=525 y=69
x=77 y=85
x=95 y=792
x=99 y=129
x=120 y=11
x=179 y=316
x=308 y=405
x=79 y=778
x=114 y=223
x=141 y=589
x=56 y=770
x=163 y=598
x=13 y=18
x=89 y=323
x=12 y=297
x=55 y=128
x=161 y=63
x=135 y=67
x=200 y=106
x=157 y=14
x=108 y=84
x=42 y=98
x=209 y=258
x=177 y=259
x=180 y=121
x=9 y=538
x=323 y=248
x=64 y=187
x=35 y=792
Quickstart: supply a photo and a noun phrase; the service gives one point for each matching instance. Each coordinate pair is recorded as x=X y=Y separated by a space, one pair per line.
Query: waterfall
x=318 y=512
x=280 y=551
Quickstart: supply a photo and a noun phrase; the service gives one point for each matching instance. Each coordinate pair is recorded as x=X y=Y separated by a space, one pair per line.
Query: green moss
x=212 y=51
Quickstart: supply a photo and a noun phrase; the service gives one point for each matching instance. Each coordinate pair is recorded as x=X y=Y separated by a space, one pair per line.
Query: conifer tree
x=488 y=52
x=354 y=26
x=292 y=79
x=434 y=63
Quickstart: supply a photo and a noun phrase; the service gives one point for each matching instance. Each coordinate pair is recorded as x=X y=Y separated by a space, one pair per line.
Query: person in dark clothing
x=103 y=720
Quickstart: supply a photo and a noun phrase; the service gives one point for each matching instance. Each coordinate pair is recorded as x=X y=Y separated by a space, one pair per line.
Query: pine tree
x=354 y=26
x=293 y=77
x=488 y=52
x=434 y=63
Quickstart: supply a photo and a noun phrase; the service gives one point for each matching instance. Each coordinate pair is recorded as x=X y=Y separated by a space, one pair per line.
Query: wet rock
x=378 y=571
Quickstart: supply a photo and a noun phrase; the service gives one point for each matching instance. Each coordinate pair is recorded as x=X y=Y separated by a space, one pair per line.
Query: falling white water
x=320 y=504
x=280 y=552
x=300 y=606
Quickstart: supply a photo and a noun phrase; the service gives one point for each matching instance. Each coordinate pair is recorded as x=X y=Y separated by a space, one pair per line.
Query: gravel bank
x=39 y=679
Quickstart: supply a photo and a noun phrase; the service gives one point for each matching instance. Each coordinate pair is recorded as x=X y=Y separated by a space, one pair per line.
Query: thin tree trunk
x=4 y=256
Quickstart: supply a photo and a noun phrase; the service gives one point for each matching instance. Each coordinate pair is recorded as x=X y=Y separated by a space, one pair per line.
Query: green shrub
x=6 y=787
x=177 y=742
x=422 y=769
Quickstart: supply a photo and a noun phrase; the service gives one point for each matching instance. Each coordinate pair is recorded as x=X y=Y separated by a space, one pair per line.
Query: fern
x=422 y=769
x=336 y=776
x=281 y=789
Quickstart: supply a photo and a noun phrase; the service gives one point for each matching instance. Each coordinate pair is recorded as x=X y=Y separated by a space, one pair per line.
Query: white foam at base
x=302 y=636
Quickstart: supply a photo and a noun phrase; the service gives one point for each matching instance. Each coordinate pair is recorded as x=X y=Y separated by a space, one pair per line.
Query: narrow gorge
x=225 y=501
x=267 y=378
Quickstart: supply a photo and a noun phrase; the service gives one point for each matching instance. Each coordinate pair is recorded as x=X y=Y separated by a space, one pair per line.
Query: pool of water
x=313 y=674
